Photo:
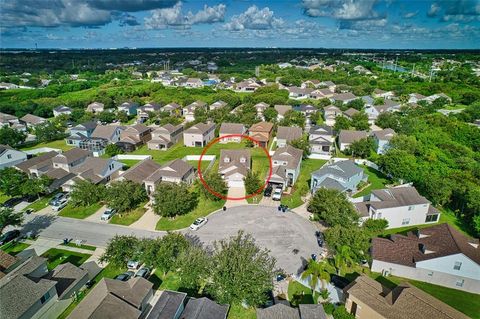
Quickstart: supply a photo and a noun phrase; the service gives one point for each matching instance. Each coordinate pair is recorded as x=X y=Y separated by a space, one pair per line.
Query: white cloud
x=434 y=10
x=174 y=17
x=254 y=19
x=409 y=15
x=341 y=9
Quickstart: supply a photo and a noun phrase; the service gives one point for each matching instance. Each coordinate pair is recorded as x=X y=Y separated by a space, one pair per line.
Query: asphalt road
x=281 y=233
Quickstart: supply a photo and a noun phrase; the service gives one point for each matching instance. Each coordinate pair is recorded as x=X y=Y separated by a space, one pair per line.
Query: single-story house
x=10 y=156
x=343 y=176
x=347 y=137
x=61 y=110
x=31 y=120
x=286 y=134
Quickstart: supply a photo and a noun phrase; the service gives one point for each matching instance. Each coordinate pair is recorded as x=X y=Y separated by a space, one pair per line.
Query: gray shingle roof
x=232 y=128
x=140 y=171
x=204 y=308
x=279 y=311
x=344 y=169
x=312 y=311
x=350 y=136
x=397 y=197
x=167 y=305
x=289 y=133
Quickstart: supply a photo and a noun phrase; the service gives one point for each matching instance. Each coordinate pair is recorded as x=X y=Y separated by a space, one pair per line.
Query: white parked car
x=108 y=214
x=133 y=264
x=199 y=222
x=277 y=193
x=60 y=204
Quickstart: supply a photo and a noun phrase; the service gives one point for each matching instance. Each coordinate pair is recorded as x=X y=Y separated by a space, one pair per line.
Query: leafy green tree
x=343 y=260
x=194 y=266
x=378 y=101
x=352 y=236
x=318 y=272
x=216 y=183
x=388 y=120
x=341 y=313
x=9 y=218
x=399 y=164
x=240 y=271
x=162 y=253
x=361 y=148
x=121 y=249
x=331 y=206
x=11 y=181
x=48 y=131
x=12 y=137
x=172 y=199
x=375 y=226
x=302 y=144
x=360 y=121
x=270 y=114
x=357 y=104
x=106 y=116
x=122 y=117
x=252 y=182
x=85 y=193
x=113 y=150
x=293 y=118
x=35 y=186
x=125 y=195
x=342 y=123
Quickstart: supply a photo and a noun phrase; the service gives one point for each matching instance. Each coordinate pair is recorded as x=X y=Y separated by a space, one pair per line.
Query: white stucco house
x=11 y=157
x=439 y=255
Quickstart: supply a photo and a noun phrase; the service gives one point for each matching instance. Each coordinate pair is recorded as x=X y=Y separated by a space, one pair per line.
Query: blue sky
x=425 y=24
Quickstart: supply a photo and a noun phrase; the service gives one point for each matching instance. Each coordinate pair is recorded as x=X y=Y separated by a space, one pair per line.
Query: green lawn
x=302 y=186
x=14 y=248
x=59 y=256
x=79 y=212
x=3 y=197
x=203 y=166
x=205 y=207
x=41 y=203
x=60 y=144
x=128 y=163
x=171 y=281
x=238 y=312
x=128 y=218
x=376 y=179
x=299 y=294
x=87 y=247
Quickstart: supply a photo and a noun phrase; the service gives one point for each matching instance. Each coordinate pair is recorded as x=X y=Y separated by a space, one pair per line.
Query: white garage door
x=235 y=184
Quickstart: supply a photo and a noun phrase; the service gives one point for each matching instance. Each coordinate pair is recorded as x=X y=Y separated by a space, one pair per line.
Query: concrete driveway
x=148 y=221
x=281 y=233
x=96 y=216
x=236 y=192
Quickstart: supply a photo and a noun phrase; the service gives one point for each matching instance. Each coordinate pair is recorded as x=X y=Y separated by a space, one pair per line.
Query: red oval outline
x=216 y=140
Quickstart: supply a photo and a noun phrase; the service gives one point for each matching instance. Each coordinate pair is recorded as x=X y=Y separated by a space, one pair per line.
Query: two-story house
x=378 y=93
x=373 y=111
x=262 y=133
x=193 y=83
x=330 y=113
x=439 y=255
x=287 y=134
x=321 y=139
x=10 y=156
x=306 y=109
x=199 y=135
x=189 y=110
x=134 y=136
x=231 y=129
x=281 y=110
x=80 y=132
x=234 y=166
x=70 y=159
x=165 y=137
x=96 y=170
x=347 y=137
x=261 y=107
x=144 y=112
x=401 y=206
x=382 y=139
x=286 y=162
x=343 y=176
x=344 y=98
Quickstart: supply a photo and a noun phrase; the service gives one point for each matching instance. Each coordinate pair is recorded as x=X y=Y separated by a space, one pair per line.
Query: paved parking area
x=281 y=233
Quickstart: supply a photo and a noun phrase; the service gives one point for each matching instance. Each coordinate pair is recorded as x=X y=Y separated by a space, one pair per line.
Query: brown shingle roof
x=200 y=128
x=24 y=166
x=402 y=302
x=32 y=119
x=350 y=136
x=6 y=260
x=140 y=171
x=289 y=133
x=71 y=156
x=105 y=131
x=439 y=241
x=232 y=128
x=176 y=169
x=262 y=127
x=397 y=197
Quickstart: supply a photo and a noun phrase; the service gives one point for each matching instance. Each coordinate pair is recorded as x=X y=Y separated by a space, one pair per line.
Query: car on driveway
x=125 y=276
x=60 y=204
x=56 y=198
x=9 y=236
x=199 y=222
x=320 y=238
x=108 y=214
x=268 y=191
x=12 y=202
x=144 y=272
x=277 y=193
x=133 y=264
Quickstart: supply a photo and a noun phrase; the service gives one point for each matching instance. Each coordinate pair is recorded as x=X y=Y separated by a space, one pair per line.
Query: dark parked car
x=9 y=236
x=143 y=272
x=12 y=202
x=339 y=281
x=125 y=276
x=320 y=238
x=268 y=191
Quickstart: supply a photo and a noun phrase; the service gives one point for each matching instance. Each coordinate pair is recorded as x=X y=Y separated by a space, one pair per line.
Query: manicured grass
x=299 y=294
x=465 y=302
x=171 y=281
x=87 y=247
x=376 y=179
x=128 y=218
x=203 y=166
x=60 y=144
x=41 y=203
x=238 y=312
x=14 y=248
x=205 y=207
x=129 y=163
x=79 y=212
x=59 y=256
x=302 y=186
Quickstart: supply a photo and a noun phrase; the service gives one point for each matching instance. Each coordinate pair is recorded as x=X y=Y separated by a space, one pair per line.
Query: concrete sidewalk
x=43 y=244
x=148 y=221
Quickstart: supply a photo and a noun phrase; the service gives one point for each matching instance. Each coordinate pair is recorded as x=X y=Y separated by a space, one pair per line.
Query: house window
x=431 y=218
x=45 y=297
x=459 y=283
x=405 y=221
x=457 y=265
x=410 y=208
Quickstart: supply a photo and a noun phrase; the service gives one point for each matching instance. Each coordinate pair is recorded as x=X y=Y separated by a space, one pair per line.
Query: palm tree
x=9 y=218
x=343 y=259
x=318 y=272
